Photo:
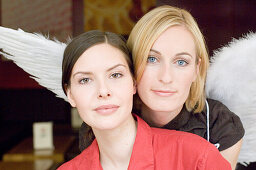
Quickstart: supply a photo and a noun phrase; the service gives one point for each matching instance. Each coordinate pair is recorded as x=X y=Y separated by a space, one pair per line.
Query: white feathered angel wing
x=231 y=79
x=37 y=55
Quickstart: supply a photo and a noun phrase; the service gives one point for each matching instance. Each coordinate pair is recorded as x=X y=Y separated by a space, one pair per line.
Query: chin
x=112 y=122
x=106 y=126
x=162 y=108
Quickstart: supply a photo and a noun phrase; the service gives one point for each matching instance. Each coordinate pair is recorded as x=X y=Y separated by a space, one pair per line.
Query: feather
x=37 y=55
x=231 y=79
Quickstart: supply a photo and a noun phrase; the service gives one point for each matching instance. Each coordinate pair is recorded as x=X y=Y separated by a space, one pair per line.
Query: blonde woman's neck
x=158 y=118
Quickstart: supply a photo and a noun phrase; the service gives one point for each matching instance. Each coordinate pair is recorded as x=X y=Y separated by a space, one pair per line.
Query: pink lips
x=106 y=109
x=164 y=93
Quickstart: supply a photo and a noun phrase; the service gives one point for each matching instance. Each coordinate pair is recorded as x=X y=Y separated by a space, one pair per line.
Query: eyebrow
x=109 y=69
x=155 y=51
x=115 y=66
x=178 y=54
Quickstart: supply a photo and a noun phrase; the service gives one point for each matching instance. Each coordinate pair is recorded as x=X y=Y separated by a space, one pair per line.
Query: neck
x=158 y=118
x=115 y=145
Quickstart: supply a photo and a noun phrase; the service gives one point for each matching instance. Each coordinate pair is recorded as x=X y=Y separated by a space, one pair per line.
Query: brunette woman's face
x=102 y=87
x=170 y=70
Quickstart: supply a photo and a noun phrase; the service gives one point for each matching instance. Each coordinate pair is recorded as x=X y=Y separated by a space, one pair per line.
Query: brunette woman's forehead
x=103 y=54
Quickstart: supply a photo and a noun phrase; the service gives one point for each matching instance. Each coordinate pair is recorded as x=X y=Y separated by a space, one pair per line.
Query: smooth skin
x=171 y=68
x=164 y=87
x=102 y=89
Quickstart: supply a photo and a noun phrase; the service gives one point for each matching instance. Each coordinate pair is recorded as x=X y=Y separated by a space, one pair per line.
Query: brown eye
x=116 y=75
x=84 y=81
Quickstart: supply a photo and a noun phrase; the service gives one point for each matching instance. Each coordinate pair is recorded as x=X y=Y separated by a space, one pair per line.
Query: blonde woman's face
x=170 y=70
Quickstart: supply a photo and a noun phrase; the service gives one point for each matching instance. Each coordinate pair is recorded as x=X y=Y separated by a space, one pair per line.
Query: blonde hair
x=150 y=27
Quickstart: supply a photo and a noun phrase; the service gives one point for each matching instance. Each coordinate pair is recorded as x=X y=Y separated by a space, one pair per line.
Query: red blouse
x=159 y=149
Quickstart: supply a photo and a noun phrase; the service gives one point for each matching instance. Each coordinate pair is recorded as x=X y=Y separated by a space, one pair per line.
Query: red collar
x=142 y=153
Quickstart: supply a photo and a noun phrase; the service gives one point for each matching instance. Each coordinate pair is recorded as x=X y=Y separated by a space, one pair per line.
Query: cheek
x=82 y=96
x=186 y=80
x=143 y=85
x=123 y=89
x=147 y=78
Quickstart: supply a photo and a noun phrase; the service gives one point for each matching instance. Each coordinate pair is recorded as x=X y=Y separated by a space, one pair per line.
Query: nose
x=165 y=73
x=103 y=91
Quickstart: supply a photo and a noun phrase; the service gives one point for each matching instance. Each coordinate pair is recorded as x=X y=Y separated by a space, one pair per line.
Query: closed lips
x=106 y=108
x=164 y=92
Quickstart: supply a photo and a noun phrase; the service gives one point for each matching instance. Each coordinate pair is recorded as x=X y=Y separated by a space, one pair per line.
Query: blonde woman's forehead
x=176 y=39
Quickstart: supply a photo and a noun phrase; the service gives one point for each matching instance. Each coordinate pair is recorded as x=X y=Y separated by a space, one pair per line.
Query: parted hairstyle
x=78 y=46
x=150 y=27
x=83 y=42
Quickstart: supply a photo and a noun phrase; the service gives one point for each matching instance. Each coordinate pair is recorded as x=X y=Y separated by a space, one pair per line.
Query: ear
x=197 y=68
x=134 y=87
x=70 y=97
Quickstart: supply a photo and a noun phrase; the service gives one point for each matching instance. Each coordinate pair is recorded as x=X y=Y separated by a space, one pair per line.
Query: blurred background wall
x=23 y=101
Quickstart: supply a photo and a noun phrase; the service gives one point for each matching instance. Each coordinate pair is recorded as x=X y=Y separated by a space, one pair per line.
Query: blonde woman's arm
x=231 y=153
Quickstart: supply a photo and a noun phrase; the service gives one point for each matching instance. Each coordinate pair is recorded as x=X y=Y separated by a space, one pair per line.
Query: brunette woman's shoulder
x=88 y=159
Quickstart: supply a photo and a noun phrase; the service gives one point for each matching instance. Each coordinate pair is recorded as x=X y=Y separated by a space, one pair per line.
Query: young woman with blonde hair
x=170 y=62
